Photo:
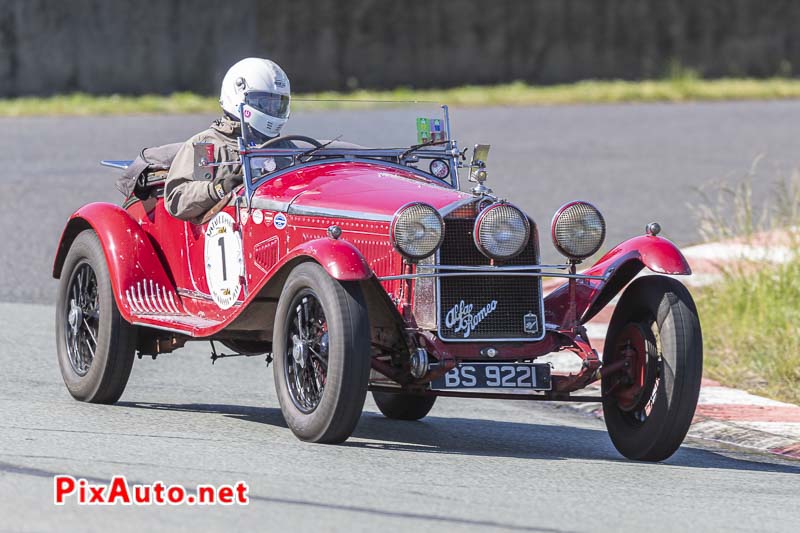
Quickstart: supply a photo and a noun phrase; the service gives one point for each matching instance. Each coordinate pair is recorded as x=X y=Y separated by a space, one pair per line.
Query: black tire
x=96 y=321
x=400 y=406
x=651 y=424
x=327 y=413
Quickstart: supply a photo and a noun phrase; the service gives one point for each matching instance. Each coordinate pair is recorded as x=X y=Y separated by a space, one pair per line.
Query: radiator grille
x=487 y=307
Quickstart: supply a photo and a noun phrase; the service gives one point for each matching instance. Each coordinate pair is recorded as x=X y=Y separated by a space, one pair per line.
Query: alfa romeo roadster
x=358 y=269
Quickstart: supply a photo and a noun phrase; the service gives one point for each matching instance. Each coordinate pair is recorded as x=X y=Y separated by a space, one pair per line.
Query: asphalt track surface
x=471 y=465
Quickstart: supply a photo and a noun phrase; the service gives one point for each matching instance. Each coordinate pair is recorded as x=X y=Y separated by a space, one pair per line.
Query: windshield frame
x=398 y=157
x=334 y=155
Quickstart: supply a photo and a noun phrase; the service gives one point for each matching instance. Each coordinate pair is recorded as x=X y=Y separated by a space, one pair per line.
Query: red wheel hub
x=635 y=380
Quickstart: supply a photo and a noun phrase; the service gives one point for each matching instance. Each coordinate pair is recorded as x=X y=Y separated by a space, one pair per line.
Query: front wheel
x=95 y=344
x=649 y=405
x=321 y=345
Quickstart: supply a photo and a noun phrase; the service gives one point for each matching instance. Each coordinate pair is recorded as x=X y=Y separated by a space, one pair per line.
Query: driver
x=267 y=88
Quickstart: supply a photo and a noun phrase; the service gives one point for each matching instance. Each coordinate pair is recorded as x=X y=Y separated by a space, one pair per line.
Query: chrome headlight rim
x=397 y=218
x=554 y=227
x=476 y=234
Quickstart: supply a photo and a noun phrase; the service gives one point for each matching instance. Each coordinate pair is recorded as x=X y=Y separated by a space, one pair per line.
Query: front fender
x=132 y=261
x=619 y=266
x=341 y=259
x=656 y=253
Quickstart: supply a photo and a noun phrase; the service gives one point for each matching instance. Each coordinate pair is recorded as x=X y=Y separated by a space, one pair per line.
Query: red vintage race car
x=356 y=269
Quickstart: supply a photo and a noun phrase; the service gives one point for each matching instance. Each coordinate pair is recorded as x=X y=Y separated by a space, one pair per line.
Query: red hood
x=356 y=186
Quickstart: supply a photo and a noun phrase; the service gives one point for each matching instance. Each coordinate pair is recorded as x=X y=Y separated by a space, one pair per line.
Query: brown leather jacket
x=188 y=199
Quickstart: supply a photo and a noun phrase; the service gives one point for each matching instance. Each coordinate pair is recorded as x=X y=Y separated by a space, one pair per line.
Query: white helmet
x=267 y=89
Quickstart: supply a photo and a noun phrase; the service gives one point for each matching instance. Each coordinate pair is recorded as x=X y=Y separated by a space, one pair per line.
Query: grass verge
x=750 y=321
x=683 y=87
x=750 y=318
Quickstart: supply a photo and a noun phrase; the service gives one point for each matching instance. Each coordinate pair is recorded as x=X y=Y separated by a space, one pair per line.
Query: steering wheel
x=313 y=142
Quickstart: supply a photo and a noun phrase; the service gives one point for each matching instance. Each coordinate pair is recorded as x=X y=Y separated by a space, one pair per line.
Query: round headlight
x=417 y=230
x=501 y=231
x=578 y=230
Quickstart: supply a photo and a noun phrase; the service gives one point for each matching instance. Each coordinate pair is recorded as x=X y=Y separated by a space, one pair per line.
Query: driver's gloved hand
x=222 y=185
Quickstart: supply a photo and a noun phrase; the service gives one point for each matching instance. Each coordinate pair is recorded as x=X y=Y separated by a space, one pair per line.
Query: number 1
x=221 y=243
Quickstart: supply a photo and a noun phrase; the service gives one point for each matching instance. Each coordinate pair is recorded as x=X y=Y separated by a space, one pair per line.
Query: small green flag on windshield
x=423 y=130
x=429 y=129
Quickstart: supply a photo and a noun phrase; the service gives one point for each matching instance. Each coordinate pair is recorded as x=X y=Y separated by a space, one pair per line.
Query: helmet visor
x=272 y=104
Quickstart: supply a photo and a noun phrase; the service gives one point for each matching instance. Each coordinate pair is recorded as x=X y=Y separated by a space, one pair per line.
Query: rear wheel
x=649 y=405
x=321 y=347
x=95 y=344
x=400 y=406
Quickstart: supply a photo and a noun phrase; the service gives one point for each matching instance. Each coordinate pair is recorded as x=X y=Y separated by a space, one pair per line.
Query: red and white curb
x=724 y=415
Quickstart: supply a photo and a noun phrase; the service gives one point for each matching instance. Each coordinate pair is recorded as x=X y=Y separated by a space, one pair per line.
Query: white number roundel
x=223 y=260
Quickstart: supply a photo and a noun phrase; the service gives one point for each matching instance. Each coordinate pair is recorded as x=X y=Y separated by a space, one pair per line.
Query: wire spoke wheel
x=649 y=403
x=654 y=363
x=635 y=390
x=307 y=352
x=95 y=345
x=81 y=327
x=321 y=341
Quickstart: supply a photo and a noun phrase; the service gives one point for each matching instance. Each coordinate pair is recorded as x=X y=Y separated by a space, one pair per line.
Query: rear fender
x=140 y=282
x=619 y=266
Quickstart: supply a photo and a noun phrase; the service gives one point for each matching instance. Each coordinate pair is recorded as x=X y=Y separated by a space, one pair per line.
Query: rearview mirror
x=203 y=157
x=478 y=165
x=480 y=154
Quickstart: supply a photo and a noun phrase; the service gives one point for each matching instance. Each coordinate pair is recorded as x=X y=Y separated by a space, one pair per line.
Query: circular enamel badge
x=280 y=221
x=258 y=216
x=223 y=260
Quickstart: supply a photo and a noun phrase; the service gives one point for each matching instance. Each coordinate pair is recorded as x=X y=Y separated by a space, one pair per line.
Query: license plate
x=495 y=376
